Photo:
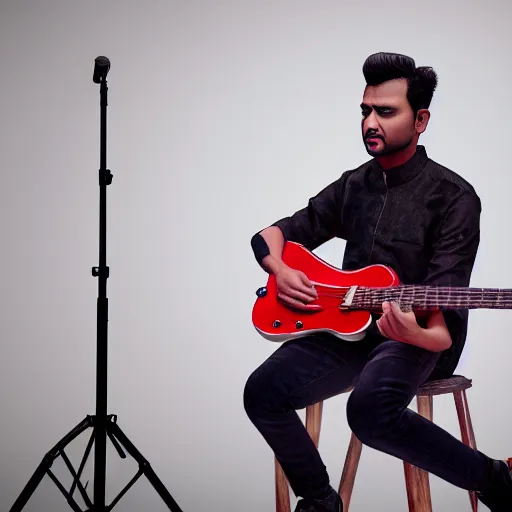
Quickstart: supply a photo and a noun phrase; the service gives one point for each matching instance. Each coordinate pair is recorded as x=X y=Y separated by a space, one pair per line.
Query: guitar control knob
x=299 y=324
x=261 y=292
x=276 y=323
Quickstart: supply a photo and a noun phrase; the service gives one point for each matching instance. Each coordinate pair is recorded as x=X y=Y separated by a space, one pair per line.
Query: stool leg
x=416 y=480
x=467 y=433
x=313 y=423
x=348 y=475
x=282 y=489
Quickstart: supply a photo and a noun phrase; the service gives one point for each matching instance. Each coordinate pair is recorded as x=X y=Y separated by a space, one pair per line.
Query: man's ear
x=422 y=119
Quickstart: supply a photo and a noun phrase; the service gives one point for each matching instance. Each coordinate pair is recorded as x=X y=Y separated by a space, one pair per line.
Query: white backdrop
x=223 y=116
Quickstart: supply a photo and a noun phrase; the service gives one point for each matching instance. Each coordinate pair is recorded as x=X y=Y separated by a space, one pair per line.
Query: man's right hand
x=295 y=289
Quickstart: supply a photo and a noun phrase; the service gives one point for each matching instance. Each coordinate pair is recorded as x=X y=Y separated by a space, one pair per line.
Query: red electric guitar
x=346 y=299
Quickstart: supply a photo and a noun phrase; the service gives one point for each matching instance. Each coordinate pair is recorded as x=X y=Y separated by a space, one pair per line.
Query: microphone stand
x=103 y=425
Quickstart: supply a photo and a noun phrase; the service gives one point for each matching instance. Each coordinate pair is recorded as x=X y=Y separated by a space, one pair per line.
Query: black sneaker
x=331 y=503
x=499 y=497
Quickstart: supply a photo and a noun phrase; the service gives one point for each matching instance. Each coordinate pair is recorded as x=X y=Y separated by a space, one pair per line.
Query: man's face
x=388 y=119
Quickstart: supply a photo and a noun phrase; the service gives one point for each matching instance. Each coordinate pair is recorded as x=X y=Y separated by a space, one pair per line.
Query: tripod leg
x=46 y=463
x=144 y=466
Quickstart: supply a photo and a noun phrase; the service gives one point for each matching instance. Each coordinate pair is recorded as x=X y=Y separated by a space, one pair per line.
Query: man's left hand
x=397 y=325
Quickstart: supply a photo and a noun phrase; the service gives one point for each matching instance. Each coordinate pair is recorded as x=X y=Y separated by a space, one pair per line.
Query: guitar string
x=453 y=295
x=450 y=299
x=442 y=291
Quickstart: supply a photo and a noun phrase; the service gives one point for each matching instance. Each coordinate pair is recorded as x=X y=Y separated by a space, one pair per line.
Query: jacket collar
x=405 y=172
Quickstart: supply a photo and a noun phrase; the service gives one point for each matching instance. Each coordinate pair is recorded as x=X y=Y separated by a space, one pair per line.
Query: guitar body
x=278 y=322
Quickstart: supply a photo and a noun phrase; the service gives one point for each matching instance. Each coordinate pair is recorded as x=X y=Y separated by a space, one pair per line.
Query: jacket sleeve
x=455 y=245
x=320 y=220
x=454 y=251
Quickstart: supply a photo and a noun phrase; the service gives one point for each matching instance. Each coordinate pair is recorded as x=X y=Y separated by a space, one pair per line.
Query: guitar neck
x=434 y=297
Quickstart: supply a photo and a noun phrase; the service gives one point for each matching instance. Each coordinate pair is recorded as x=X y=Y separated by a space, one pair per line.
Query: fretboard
x=431 y=297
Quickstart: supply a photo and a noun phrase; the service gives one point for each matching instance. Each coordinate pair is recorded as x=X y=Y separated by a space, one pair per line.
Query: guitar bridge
x=349 y=297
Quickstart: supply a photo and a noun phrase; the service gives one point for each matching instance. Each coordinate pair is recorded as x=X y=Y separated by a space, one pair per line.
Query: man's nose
x=370 y=123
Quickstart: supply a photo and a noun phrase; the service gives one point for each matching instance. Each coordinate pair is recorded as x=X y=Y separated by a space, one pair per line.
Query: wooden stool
x=416 y=480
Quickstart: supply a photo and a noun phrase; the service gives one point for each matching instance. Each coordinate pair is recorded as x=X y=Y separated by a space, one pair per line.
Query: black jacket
x=421 y=219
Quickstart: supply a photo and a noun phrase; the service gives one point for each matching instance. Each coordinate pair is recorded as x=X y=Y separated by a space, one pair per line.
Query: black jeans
x=386 y=375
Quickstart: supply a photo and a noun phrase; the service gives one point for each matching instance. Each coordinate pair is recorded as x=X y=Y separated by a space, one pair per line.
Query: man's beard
x=386 y=149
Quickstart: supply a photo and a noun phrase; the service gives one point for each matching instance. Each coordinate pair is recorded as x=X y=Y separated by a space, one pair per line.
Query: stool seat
x=444 y=386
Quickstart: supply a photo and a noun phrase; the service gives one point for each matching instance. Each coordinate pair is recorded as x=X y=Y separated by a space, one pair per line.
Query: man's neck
x=396 y=159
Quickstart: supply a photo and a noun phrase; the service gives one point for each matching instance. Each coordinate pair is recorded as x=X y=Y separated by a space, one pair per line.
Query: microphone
x=101 y=68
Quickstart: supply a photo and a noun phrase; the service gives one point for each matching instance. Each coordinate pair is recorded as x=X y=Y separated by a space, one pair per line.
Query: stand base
x=120 y=441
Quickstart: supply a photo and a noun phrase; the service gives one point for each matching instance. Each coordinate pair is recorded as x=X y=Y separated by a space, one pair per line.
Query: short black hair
x=422 y=81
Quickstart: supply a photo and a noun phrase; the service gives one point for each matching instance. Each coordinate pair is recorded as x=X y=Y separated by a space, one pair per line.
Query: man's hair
x=422 y=81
